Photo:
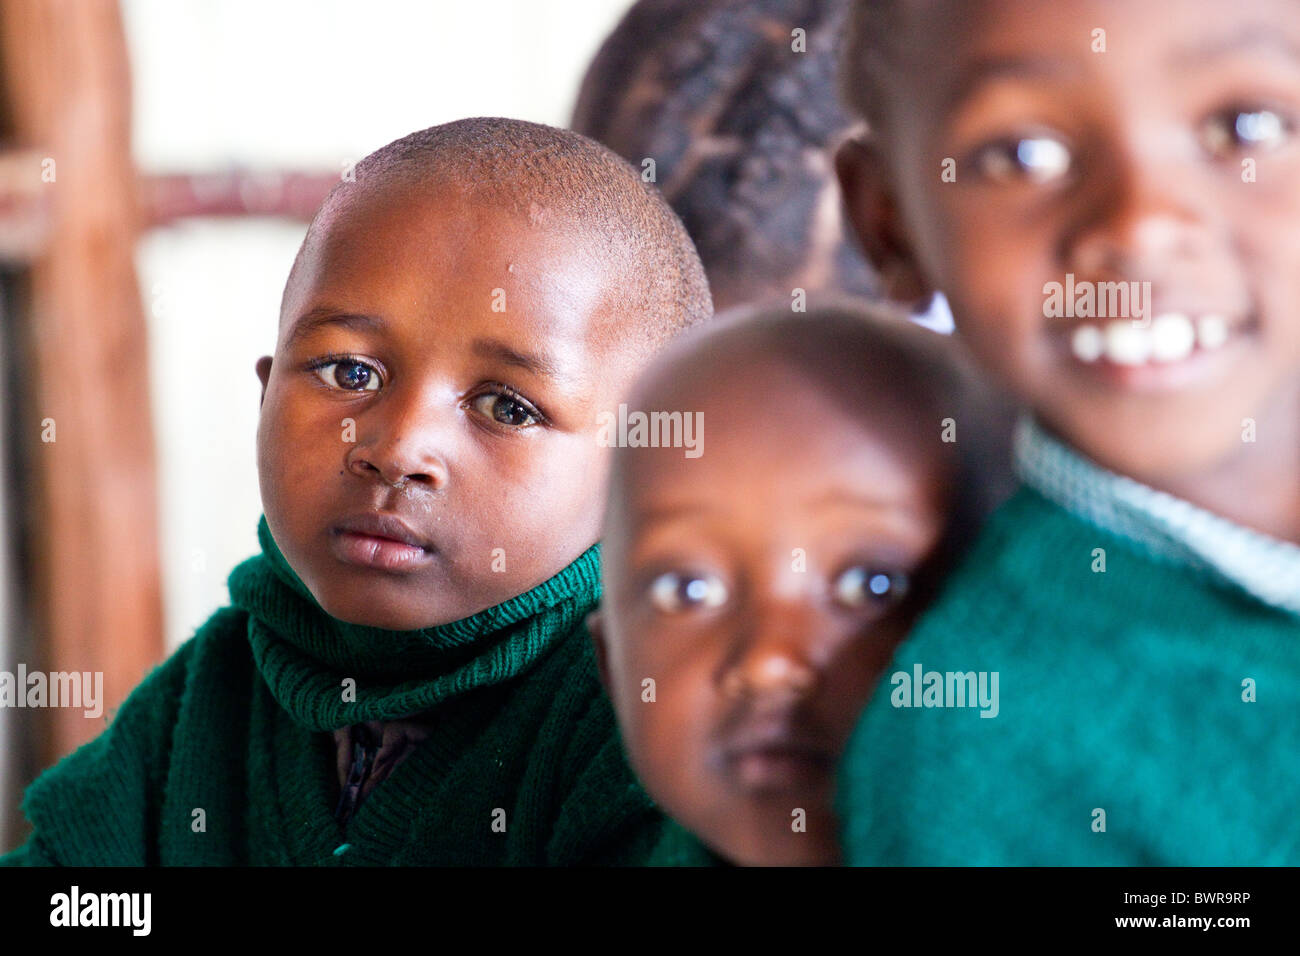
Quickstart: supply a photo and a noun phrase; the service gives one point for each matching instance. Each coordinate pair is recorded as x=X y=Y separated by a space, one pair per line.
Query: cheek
x=550 y=491
x=851 y=681
x=297 y=447
x=1270 y=252
x=992 y=271
x=663 y=734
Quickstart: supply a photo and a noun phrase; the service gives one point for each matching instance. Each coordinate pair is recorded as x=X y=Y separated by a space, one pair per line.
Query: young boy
x=758 y=578
x=403 y=677
x=1044 y=164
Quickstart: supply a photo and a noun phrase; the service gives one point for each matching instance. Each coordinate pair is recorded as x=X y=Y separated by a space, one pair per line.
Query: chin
x=372 y=610
x=796 y=850
x=749 y=834
x=366 y=617
x=1164 y=452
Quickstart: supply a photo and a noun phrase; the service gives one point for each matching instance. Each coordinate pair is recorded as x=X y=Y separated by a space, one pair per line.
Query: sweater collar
x=328 y=673
x=1265 y=567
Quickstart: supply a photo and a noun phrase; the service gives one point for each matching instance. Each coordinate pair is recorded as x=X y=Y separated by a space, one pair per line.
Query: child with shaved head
x=755 y=592
x=402 y=676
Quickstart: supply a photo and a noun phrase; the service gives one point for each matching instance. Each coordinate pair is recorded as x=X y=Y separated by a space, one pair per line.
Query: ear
x=872 y=211
x=263 y=373
x=596 y=627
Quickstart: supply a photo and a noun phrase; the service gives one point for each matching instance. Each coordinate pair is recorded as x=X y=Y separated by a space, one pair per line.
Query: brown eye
x=671 y=592
x=349 y=375
x=505 y=409
x=1237 y=129
x=1035 y=159
x=861 y=586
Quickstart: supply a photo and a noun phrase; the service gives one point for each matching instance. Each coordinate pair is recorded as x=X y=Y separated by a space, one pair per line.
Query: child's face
x=440 y=363
x=1126 y=165
x=760 y=587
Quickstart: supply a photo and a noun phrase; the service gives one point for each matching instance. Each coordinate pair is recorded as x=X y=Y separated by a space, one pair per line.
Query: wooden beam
x=281 y=194
x=92 y=521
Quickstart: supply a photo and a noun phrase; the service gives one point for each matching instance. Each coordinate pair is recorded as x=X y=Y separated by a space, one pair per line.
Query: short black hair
x=739 y=126
x=567 y=180
x=880 y=367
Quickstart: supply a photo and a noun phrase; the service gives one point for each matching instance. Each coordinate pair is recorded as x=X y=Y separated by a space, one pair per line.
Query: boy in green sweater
x=403 y=676
x=755 y=591
x=1109 y=195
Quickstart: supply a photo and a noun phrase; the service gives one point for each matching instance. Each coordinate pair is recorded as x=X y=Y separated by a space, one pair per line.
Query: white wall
x=312 y=85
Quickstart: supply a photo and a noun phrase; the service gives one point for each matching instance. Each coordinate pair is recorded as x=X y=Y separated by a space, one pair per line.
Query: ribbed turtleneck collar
x=307 y=657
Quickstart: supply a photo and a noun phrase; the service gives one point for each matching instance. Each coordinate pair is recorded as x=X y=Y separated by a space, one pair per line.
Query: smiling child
x=403 y=676
x=1140 y=596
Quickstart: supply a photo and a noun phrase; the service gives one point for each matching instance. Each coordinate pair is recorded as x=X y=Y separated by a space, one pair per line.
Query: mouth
x=381 y=541
x=1174 y=350
x=777 y=757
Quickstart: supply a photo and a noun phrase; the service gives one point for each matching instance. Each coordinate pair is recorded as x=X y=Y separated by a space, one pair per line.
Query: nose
x=403 y=442
x=771 y=656
x=1147 y=219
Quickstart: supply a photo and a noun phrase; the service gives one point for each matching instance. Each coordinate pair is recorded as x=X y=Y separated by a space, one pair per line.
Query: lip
x=777 y=756
x=382 y=541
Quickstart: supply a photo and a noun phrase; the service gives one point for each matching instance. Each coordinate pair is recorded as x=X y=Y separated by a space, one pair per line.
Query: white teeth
x=1211 y=331
x=1169 y=337
x=1172 y=337
x=1087 y=343
x=1126 y=344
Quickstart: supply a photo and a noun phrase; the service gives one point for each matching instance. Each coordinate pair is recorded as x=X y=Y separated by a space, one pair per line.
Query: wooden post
x=92 y=519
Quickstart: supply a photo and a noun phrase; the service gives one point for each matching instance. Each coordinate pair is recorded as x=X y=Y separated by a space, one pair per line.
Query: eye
x=671 y=592
x=349 y=374
x=1237 y=129
x=506 y=409
x=861 y=586
x=1036 y=159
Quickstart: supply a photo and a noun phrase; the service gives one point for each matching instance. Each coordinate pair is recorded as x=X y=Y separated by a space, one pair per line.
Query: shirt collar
x=1265 y=567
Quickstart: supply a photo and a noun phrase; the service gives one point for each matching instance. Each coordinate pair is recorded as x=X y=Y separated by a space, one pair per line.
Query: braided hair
x=736 y=109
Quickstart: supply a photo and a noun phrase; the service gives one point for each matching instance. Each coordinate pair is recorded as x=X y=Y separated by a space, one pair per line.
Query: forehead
x=945 y=49
x=443 y=251
x=777 y=447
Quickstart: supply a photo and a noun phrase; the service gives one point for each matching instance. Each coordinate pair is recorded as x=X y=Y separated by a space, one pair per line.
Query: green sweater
x=1119 y=691
x=223 y=755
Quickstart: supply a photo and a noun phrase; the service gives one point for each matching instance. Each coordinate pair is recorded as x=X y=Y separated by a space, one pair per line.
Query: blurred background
x=159 y=162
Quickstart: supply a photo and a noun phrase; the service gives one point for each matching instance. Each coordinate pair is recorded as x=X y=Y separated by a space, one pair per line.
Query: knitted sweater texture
x=223 y=755
x=1147 y=716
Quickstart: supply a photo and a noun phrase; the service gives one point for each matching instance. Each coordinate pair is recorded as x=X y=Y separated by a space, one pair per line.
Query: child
x=1140 y=596
x=757 y=581
x=403 y=677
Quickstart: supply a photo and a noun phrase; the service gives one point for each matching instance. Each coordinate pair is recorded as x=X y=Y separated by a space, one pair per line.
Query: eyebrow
x=659 y=514
x=538 y=363
x=325 y=316
x=1255 y=36
x=991 y=69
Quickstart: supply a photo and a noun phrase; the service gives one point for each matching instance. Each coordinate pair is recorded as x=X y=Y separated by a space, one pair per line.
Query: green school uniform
x=224 y=754
x=1148 y=663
